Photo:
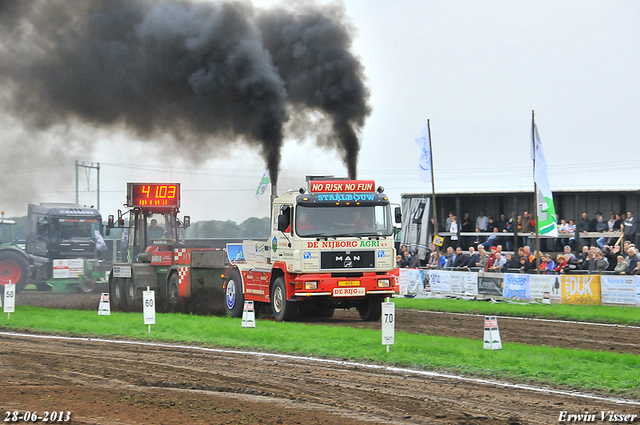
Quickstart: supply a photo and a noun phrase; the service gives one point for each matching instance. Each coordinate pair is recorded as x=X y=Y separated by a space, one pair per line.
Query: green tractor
x=15 y=266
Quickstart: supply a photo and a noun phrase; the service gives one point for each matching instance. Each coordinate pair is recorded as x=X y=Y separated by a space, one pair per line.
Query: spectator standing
x=630 y=227
x=482 y=222
x=453 y=229
x=526 y=228
x=583 y=226
x=563 y=230
x=502 y=223
x=466 y=226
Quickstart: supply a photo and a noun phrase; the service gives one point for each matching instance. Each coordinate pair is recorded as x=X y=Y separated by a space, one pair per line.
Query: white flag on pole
x=264 y=182
x=424 y=165
x=547 y=220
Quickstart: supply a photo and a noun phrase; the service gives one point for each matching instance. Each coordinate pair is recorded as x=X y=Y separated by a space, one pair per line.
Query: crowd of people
x=617 y=254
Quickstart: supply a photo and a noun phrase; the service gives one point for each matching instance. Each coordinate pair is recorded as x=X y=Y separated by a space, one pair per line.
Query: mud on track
x=106 y=383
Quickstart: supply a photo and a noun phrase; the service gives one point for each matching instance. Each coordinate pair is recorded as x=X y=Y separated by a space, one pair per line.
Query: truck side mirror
x=110 y=221
x=186 y=221
x=398 y=215
x=106 y=230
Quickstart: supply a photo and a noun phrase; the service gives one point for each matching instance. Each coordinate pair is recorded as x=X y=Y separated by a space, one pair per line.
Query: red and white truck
x=331 y=246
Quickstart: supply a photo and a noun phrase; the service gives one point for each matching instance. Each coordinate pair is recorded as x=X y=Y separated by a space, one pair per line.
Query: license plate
x=348 y=292
x=348 y=283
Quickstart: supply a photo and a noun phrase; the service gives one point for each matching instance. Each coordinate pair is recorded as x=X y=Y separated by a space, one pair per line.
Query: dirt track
x=106 y=383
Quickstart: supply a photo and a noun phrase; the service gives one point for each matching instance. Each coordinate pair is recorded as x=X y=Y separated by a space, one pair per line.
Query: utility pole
x=87 y=166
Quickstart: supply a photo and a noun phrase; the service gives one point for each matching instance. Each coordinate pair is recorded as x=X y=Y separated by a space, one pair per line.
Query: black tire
x=116 y=293
x=327 y=312
x=370 y=309
x=233 y=295
x=173 y=292
x=14 y=267
x=87 y=285
x=282 y=308
x=130 y=293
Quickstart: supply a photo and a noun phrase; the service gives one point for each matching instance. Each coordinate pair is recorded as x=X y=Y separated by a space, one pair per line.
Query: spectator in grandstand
x=582 y=257
x=561 y=263
x=601 y=226
x=621 y=265
x=510 y=263
x=447 y=222
x=583 y=226
x=501 y=224
x=414 y=260
x=484 y=257
x=527 y=253
x=549 y=264
x=492 y=256
x=446 y=261
x=492 y=240
x=432 y=260
x=453 y=229
x=525 y=265
x=527 y=227
x=498 y=263
x=474 y=257
x=478 y=239
x=572 y=229
x=399 y=261
x=466 y=225
x=589 y=263
x=602 y=264
x=405 y=259
x=403 y=249
x=630 y=227
x=482 y=222
x=632 y=261
x=461 y=259
x=563 y=230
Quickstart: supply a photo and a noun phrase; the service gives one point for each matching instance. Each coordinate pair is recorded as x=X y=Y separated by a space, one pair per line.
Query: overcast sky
x=476 y=69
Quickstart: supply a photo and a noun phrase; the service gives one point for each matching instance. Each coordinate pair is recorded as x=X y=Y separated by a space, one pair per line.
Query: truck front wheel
x=233 y=296
x=370 y=309
x=13 y=269
x=173 y=292
x=282 y=308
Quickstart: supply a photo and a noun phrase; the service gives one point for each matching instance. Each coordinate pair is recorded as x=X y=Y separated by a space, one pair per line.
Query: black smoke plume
x=200 y=72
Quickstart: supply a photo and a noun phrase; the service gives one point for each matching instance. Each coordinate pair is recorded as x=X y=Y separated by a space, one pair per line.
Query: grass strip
x=582 y=313
x=601 y=372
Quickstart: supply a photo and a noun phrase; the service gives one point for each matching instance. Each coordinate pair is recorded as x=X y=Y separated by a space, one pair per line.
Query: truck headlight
x=311 y=285
x=384 y=283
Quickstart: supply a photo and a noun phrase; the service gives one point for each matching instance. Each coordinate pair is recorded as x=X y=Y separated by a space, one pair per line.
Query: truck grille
x=347 y=260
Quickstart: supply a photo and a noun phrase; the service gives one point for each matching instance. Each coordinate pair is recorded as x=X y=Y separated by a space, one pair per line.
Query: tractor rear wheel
x=14 y=268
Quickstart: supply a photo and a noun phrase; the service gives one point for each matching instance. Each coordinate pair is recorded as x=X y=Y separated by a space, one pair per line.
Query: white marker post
x=492 y=339
x=104 y=309
x=9 y=299
x=248 y=315
x=388 y=323
x=149 y=308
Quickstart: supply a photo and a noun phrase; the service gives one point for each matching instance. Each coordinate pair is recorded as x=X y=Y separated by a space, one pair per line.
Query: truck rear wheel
x=233 y=296
x=370 y=309
x=116 y=293
x=130 y=294
x=14 y=268
x=282 y=308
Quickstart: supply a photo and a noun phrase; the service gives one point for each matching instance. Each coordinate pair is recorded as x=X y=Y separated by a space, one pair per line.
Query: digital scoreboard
x=158 y=195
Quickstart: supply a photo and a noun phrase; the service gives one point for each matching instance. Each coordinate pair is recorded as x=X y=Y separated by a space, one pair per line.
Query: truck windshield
x=347 y=221
x=76 y=228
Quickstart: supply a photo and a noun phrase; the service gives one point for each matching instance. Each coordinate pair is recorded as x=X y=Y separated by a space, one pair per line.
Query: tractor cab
x=153 y=223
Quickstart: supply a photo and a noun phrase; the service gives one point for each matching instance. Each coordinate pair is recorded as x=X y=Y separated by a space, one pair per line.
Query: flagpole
x=535 y=193
x=433 y=194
